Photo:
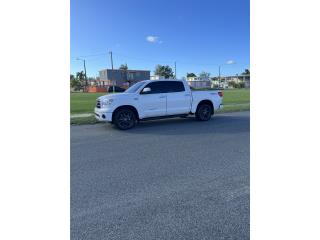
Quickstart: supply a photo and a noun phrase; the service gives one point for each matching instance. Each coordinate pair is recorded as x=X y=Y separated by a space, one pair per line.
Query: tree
x=191 y=75
x=123 y=67
x=164 y=71
x=204 y=74
x=78 y=82
x=73 y=81
x=233 y=84
x=241 y=85
x=81 y=77
x=246 y=72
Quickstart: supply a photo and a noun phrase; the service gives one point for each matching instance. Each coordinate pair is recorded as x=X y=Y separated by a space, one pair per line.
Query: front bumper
x=102 y=116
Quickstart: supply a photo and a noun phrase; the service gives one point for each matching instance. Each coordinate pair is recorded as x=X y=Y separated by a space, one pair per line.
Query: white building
x=157 y=77
x=225 y=81
x=197 y=82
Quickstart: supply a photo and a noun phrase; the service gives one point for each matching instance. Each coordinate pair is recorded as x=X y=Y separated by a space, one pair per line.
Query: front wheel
x=204 y=112
x=124 y=119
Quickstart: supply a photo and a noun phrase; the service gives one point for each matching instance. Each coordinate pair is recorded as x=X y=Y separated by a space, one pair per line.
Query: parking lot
x=165 y=179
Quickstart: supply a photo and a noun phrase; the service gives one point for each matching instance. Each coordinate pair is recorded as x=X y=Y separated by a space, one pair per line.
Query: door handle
x=162 y=96
x=187 y=94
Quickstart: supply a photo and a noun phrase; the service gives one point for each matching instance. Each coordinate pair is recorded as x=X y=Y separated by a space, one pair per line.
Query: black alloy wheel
x=125 y=119
x=204 y=112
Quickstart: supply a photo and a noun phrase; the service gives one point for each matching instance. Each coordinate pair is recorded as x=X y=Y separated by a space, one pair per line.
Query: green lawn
x=85 y=102
x=233 y=96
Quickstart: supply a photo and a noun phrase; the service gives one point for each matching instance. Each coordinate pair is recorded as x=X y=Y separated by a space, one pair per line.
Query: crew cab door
x=178 y=99
x=153 y=103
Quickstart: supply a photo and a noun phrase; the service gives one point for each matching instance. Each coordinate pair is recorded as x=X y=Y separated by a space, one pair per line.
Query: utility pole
x=175 y=70
x=85 y=70
x=113 y=83
x=219 y=76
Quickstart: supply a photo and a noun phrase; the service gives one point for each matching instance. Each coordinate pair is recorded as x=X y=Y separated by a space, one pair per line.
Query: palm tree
x=123 y=67
x=81 y=78
x=246 y=72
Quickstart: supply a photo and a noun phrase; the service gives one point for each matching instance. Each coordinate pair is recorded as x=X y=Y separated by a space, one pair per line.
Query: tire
x=124 y=119
x=204 y=112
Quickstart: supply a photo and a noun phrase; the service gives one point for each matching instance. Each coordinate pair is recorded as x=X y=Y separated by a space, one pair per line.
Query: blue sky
x=198 y=34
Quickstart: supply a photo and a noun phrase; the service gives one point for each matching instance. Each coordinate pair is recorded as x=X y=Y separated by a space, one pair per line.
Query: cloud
x=153 y=39
x=230 y=62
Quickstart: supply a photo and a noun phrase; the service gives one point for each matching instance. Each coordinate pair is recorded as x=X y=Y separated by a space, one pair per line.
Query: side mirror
x=146 y=90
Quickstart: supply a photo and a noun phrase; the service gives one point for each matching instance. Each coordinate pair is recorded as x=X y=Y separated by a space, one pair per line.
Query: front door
x=154 y=102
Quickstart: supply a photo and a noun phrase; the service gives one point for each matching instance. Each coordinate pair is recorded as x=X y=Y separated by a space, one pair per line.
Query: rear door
x=153 y=103
x=178 y=99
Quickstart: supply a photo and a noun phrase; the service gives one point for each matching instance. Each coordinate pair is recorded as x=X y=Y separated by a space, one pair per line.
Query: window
x=157 y=87
x=174 y=86
x=165 y=87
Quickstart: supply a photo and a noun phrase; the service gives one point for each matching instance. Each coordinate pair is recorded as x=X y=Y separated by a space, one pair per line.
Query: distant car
x=152 y=99
x=116 y=89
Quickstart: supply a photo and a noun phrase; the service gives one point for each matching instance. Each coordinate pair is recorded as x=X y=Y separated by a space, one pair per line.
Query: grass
x=83 y=120
x=233 y=100
x=83 y=102
x=235 y=96
x=235 y=108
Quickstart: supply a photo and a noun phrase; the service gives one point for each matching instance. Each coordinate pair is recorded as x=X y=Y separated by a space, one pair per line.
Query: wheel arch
x=206 y=101
x=126 y=107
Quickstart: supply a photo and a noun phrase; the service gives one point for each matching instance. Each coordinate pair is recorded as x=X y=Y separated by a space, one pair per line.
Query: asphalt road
x=166 y=179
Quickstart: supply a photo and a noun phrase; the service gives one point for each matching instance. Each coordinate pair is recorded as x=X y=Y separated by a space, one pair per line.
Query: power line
x=157 y=60
x=93 y=55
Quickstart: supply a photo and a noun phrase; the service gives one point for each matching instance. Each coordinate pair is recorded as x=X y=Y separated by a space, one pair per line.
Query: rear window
x=174 y=86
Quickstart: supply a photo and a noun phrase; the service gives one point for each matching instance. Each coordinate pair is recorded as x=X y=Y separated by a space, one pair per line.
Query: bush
x=232 y=84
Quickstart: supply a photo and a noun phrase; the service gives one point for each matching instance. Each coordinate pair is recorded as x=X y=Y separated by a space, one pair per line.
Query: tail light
x=220 y=94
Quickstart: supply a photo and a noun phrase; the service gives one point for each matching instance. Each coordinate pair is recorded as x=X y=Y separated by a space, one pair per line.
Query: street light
x=85 y=70
x=229 y=62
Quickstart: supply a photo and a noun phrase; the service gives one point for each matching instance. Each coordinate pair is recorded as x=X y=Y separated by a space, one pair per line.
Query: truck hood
x=115 y=96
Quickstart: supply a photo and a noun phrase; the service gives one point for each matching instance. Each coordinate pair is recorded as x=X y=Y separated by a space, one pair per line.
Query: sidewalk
x=81 y=115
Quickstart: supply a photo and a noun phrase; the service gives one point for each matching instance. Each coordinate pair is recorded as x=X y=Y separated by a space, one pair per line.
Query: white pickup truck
x=152 y=99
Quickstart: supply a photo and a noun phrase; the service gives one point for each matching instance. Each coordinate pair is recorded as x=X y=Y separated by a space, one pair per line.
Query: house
x=121 y=78
x=157 y=77
x=225 y=81
x=198 y=82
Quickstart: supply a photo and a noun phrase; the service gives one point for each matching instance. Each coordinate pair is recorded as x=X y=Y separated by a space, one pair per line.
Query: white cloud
x=230 y=62
x=153 y=39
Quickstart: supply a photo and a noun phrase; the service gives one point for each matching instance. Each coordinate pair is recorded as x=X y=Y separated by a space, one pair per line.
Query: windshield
x=134 y=87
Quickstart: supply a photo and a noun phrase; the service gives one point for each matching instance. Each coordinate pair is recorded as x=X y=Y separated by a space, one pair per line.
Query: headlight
x=106 y=103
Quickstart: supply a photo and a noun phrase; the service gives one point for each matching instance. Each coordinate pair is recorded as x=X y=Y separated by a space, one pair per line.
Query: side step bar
x=164 y=117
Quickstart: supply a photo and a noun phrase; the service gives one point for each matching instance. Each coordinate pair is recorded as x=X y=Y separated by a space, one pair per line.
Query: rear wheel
x=204 y=112
x=124 y=119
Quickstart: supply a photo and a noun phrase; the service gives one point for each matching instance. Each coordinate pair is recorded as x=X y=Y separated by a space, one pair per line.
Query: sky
x=199 y=35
